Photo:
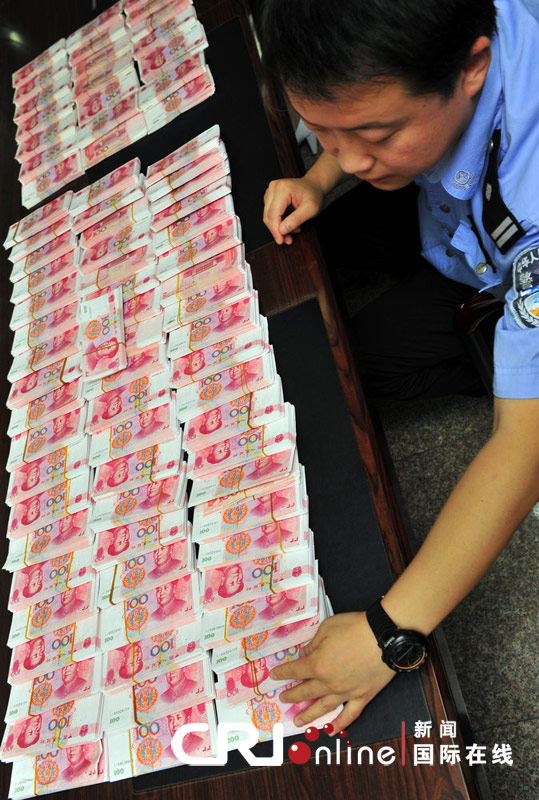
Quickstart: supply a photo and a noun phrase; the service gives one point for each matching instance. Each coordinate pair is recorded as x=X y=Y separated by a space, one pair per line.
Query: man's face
x=384 y=135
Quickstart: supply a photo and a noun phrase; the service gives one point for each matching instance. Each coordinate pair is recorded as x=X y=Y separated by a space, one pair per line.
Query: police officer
x=399 y=91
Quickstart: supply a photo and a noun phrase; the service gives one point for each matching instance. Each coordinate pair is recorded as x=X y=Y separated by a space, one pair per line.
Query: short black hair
x=317 y=47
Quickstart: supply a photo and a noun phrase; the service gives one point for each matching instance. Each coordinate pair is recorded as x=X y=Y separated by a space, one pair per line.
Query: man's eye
x=384 y=139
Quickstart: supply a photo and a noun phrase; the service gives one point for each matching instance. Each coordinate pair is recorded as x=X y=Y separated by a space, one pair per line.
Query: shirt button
x=449 y=253
x=445 y=208
x=480 y=268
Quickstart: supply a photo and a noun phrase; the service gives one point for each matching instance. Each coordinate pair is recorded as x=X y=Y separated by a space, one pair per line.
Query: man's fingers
x=320 y=707
x=350 y=712
x=298 y=670
x=306 y=690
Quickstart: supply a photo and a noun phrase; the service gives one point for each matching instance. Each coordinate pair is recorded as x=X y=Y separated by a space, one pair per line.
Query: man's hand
x=342 y=664
x=303 y=195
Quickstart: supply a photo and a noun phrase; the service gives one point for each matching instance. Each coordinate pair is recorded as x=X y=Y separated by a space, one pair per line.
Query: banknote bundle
x=159 y=530
x=125 y=74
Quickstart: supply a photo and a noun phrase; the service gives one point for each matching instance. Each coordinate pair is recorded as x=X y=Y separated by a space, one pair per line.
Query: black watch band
x=402 y=650
x=381 y=623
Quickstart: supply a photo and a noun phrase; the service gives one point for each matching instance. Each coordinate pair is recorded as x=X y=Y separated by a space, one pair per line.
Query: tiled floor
x=491 y=634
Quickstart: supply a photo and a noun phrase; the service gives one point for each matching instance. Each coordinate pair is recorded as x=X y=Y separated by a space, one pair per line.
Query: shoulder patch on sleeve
x=525 y=306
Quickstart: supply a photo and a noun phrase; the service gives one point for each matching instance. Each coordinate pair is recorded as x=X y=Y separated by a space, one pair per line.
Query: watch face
x=406 y=651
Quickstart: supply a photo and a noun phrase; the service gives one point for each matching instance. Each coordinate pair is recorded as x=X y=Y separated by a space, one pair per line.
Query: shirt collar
x=461 y=168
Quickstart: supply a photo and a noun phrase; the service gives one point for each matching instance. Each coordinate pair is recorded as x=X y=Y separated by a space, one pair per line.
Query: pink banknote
x=185 y=164
x=40 y=239
x=150 y=427
x=228 y=352
x=98 y=108
x=76 y=765
x=38 y=582
x=39 y=442
x=208 y=301
x=32 y=386
x=147 y=465
x=237 y=416
x=263 y=712
x=232 y=319
x=190 y=39
x=38 y=220
x=192 y=203
x=231 y=656
x=102 y=22
x=75 y=642
x=126 y=542
x=245 y=581
x=219 y=520
x=103 y=336
x=180 y=101
x=141 y=363
x=180 y=73
x=161 y=497
x=52 y=249
x=119 y=243
x=66 y=535
x=194 y=224
x=61 y=345
x=119 y=137
x=143 y=306
x=61 y=293
x=264 y=613
x=97 y=40
x=246 y=447
x=63 y=400
x=33 y=478
x=42 y=278
x=155 y=655
x=128 y=400
x=192 y=187
x=67 y=497
x=73 y=682
x=50 y=59
x=98 y=212
x=172 y=604
x=146 y=748
x=43 y=618
x=65 y=724
x=147 y=571
x=39 y=331
x=181 y=688
x=281 y=536
x=244 y=477
x=106 y=121
x=226 y=385
x=253 y=678
x=52 y=179
x=124 y=177
x=134 y=212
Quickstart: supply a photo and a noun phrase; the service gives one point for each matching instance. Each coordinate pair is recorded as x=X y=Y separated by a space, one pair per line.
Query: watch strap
x=380 y=622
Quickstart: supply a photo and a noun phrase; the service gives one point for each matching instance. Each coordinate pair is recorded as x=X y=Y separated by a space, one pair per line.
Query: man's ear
x=477 y=64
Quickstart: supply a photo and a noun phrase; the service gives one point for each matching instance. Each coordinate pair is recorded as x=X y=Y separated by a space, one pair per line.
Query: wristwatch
x=402 y=650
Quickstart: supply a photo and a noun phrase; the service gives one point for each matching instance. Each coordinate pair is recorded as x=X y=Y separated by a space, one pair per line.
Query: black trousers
x=405 y=342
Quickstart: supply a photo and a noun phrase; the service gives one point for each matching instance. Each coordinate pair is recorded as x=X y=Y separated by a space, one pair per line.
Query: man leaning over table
x=443 y=94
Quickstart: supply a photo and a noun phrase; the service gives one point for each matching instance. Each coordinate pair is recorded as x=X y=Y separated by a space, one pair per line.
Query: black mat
x=237 y=108
x=348 y=541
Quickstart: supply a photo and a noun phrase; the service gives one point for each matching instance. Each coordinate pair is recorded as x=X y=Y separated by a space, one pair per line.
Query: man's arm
x=343 y=662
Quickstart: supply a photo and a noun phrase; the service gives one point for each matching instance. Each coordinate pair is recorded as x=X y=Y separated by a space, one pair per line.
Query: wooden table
x=284 y=277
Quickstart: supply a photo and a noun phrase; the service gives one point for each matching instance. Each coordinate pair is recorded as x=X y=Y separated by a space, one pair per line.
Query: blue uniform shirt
x=452 y=192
